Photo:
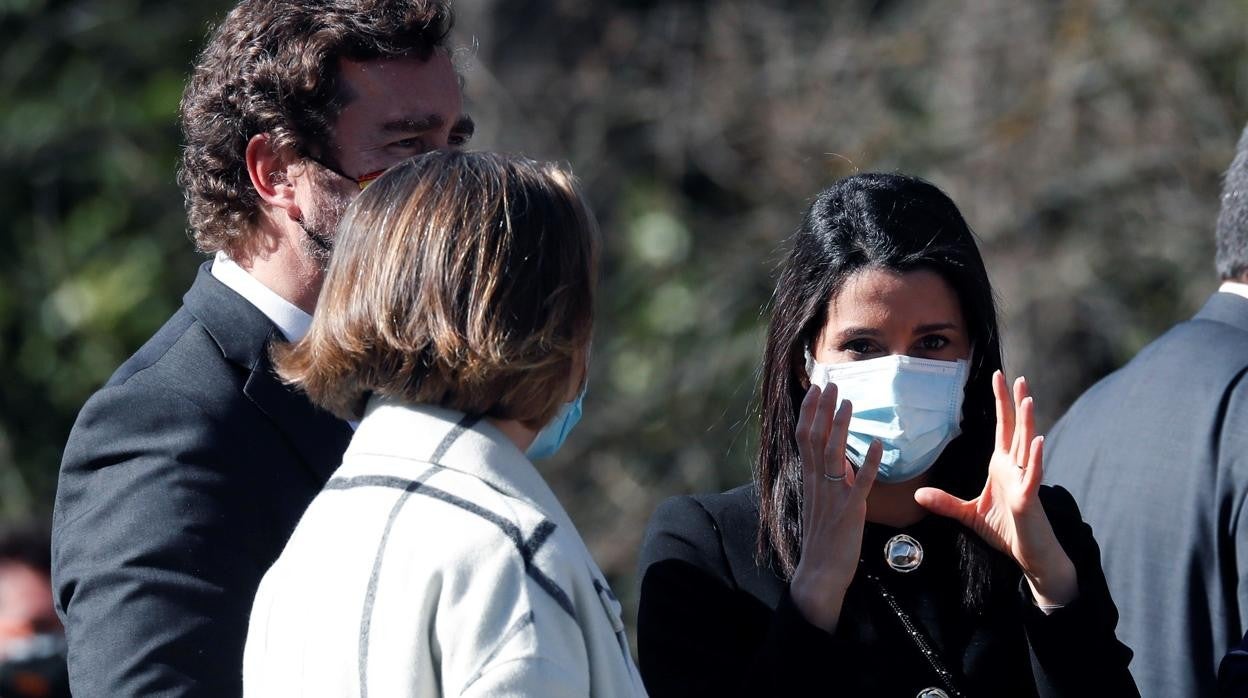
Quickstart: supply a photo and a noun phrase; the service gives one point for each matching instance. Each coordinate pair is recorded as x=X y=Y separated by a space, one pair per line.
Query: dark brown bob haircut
x=273 y=67
x=464 y=280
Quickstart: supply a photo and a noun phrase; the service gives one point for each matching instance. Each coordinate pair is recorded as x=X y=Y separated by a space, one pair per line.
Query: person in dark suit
x=1157 y=455
x=896 y=540
x=185 y=474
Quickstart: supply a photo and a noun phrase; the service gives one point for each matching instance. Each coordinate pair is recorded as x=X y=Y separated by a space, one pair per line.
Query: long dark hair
x=899 y=224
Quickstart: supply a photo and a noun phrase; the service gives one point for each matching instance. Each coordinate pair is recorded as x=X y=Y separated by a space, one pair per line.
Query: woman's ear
x=268 y=170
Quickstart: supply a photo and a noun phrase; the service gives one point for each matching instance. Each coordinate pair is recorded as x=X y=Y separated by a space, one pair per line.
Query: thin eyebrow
x=935 y=327
x=852 y=332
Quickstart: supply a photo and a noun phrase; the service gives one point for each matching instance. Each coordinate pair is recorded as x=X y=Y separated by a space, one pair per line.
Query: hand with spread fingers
x=1008 y=514
x=834 y=507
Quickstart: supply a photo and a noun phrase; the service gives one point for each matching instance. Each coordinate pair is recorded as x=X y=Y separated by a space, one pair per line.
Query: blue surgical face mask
x=552 y=436
x=912 y=406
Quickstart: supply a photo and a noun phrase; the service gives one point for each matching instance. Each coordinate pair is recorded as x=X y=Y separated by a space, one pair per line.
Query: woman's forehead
x=872 y=296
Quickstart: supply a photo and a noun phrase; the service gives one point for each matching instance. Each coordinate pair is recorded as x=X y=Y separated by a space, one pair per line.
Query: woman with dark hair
x=896 y=539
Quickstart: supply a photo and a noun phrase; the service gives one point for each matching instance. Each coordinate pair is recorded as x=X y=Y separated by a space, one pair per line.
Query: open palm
x=1008 y=514
x=834 y=507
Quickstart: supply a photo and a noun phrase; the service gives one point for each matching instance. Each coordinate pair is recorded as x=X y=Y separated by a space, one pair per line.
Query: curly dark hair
x=272 y=67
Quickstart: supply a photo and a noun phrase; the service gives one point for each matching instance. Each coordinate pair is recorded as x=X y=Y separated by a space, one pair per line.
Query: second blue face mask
x=550 y=439
x=912 y=406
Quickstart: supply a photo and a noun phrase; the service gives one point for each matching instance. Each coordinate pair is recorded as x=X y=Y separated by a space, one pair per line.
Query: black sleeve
x=1074 y=650
x=1233 y=672
x=147 y=535
x=698 y=635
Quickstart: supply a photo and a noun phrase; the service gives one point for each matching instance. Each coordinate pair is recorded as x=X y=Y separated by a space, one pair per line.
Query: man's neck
x=287 y=272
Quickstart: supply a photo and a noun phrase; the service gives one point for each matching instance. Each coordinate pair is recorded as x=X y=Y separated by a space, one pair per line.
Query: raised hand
x=834 y=507
x=1008 y=514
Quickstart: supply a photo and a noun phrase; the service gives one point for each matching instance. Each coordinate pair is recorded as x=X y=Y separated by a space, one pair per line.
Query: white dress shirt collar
x=1234 y=287
x=292 y=321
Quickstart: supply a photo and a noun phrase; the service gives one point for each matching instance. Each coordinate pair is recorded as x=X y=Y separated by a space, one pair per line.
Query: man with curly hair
x=185 y=474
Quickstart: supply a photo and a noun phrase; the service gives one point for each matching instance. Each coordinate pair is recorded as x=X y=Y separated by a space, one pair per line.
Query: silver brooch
x=903 y=553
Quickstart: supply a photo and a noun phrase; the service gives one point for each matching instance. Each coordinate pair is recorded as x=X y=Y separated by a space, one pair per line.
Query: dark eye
x=859 y=346
x=459 y=139
x=410 y=143
x=933 y=342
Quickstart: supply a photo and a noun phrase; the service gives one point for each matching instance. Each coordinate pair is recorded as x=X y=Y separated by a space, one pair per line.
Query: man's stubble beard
x=320 y=225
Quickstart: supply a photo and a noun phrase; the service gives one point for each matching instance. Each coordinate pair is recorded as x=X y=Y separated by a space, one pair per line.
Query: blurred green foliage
x=97 y=250
x=1082 y=139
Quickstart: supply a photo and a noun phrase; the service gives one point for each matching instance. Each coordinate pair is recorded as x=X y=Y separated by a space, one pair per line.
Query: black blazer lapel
x=244 y=335
x=318 y=436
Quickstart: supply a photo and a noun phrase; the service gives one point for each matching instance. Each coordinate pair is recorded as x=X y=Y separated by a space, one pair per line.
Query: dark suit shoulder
x=177 y=396
x=181 y=390
x=1182 y=352
x=155 y=348
x=1177 y=365
x=188 y=370
x=175 y=429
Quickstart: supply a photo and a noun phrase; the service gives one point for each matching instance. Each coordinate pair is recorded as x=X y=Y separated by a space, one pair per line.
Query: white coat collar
x=395 y=429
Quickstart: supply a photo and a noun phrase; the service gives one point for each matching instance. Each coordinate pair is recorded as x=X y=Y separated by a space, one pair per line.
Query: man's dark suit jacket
x=182 y=479
x=1156 y=454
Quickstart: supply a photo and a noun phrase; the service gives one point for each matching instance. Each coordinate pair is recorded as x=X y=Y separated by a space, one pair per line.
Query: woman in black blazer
x=896 y=540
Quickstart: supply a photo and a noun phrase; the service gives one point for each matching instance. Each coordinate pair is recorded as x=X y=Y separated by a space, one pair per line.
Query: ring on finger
x=834 y=478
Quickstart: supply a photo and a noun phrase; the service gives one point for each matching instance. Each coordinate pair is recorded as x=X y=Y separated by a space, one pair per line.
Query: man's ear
x=268 y=170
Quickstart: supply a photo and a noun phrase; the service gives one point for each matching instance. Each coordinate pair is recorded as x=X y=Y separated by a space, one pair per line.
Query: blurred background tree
x=1083 y=141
